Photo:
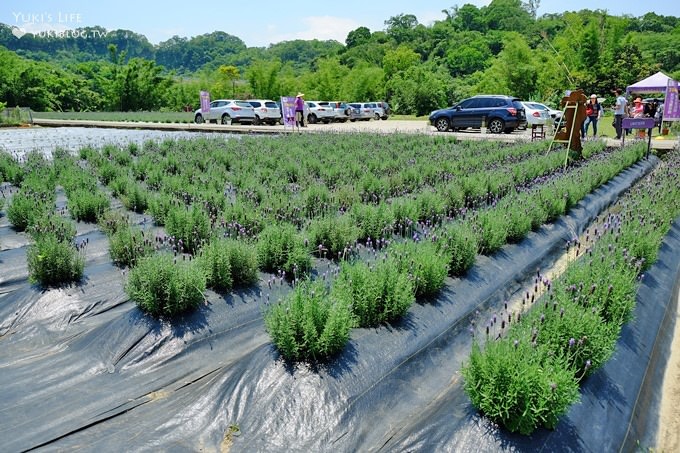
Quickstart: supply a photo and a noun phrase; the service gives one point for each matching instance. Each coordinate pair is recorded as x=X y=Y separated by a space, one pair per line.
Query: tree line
x=502 y=48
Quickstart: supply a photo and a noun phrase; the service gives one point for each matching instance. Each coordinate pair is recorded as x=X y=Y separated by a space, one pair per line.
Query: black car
x=499 y=113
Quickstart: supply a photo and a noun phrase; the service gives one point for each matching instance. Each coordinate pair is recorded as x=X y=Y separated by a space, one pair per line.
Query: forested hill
x=499 y=48
x=177 y=53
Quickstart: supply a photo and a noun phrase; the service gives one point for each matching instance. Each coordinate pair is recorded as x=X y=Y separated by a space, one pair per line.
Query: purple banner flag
x=671 y=106
x=205 y=102
x=288 y=111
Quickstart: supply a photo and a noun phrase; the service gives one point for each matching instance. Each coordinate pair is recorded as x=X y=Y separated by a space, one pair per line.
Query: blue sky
x=259 y=23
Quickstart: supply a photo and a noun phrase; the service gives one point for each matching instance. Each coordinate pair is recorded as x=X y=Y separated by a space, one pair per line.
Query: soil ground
x=668 y=437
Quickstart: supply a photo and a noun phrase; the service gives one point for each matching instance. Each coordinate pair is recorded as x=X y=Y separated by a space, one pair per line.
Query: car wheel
x=352 y=120
x=377 y=117
x=311 y=118
x=496 y=126
x=199 y=119
x=257 y=120
x=442 y=124
x=226 y=119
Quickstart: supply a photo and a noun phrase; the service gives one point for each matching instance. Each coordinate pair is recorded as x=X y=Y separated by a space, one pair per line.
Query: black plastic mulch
x=82 y=368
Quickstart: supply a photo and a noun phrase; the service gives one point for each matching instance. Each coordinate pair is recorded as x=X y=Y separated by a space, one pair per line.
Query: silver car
x=227 y=111
x=266 y=111
x=537 y=114
x=365 y=112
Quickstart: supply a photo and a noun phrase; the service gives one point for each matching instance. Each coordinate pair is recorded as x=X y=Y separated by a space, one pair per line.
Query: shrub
x=377 y=294
x=87 y=205
x=162 y=287
x=51 y=261
x=309 y=324
x=374 y=221
x=281 y=248
x=243 y=261
x=459 y=242
x=136 y=199
x=518 y=386
x=26 y=207
x=491 y=231
x=127 y=245
x=189 y=226
x=159 y=206
x=52 y=224
x=425 y=263
x=111 y=221
x=227 y=263
x=332 y=235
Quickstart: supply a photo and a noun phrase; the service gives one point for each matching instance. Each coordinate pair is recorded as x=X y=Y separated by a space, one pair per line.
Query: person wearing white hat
x=300 y=109
x=594 y=112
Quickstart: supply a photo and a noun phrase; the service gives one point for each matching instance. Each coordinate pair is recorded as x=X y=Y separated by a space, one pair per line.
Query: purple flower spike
x=572 y=342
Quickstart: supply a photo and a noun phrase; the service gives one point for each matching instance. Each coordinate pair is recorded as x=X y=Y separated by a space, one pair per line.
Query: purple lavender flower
x=572 y=342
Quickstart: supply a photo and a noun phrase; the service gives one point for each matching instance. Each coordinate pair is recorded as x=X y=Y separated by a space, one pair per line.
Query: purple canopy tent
x=656 y=83
x=660 y=83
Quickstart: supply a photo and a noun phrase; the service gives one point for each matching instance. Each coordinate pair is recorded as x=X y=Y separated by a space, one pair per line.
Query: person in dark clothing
x=594 y=112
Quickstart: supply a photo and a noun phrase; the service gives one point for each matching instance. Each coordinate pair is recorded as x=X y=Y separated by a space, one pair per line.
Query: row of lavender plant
x=307 y=325
x=526 y=365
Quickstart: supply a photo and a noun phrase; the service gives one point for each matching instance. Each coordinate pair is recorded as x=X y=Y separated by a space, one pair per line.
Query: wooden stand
x=537 y=132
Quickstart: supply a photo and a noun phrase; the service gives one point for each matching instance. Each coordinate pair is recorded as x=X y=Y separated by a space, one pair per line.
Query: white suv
x=318 y=112
x=266 y=111
x=227 y=111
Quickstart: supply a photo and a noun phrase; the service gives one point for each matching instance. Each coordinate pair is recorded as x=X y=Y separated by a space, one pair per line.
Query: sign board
x=638 y=123
x=671 y=106
x=205 y=102
x=288 y=111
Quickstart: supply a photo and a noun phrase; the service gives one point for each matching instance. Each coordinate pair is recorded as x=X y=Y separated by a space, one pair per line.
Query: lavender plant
x=310 y=324
x=164 y=287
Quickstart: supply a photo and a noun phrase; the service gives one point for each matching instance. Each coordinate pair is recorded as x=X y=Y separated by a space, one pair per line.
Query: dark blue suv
x=499 y=113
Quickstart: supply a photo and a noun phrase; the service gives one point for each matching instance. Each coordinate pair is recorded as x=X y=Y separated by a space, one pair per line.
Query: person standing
x=594 y=112
x=300 y=109
x=619 y=111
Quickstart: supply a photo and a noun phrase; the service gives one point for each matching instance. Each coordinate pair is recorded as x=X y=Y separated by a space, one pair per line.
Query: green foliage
x=128 y=244
x=491 y=231
x=518 y=386
x=310 y=324
x=425 y=263
x=112 y=221
x=86 y=205
x=52 y=261
x=377 y=293
x=26 y=207
x=228 y=263
x=190 y=227
x=10 y=170
x=281 y=248
x=50 y=224
x=332 y=236
x=162 y=287
x=459 y=241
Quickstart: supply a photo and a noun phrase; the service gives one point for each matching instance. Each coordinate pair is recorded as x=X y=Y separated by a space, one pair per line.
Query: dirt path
x=668 y=437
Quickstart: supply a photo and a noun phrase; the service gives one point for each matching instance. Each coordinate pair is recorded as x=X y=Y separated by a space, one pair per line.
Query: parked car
x=227 y=111
x=537 y=114
x=364 y=112
x=382 y=109
x=317 y=112
x=499 y=113
x=266 y=111
x=556 y=115
x=343 y=111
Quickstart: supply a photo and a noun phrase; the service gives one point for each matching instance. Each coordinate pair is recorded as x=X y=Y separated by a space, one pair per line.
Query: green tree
x=399 y=59
x=229 y=75
x=262 y=77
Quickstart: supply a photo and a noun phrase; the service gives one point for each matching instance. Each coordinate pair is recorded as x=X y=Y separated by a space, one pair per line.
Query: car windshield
x=271 y=104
